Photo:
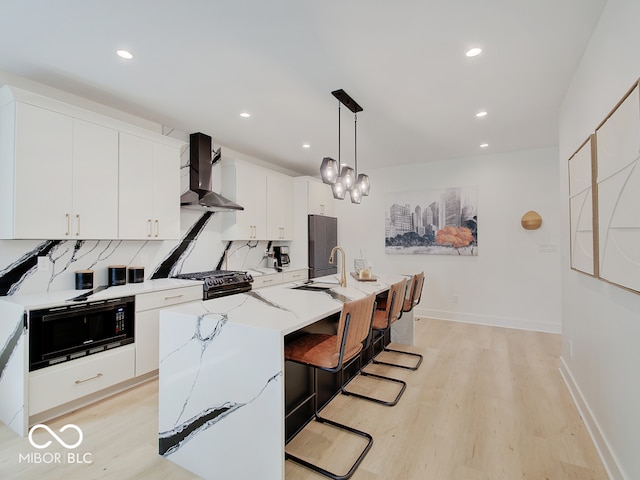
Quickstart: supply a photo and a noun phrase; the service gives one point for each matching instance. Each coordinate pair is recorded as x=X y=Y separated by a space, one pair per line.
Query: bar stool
x=329 y=353
x=407 y=305
x=382 y=320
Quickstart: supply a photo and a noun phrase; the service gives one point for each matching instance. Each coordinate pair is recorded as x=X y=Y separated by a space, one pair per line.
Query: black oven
x=67 y=332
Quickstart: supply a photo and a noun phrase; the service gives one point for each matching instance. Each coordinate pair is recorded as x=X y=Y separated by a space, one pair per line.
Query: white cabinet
x=53 y=386
x=148 y=306
x=319 y=198
x=61 y=175
x=279 y=207
x=62 y=168
x=247 y=186
x=295 y=276
x=95 y=181
x=149 y=198
x=267 y=198
x=272 y=279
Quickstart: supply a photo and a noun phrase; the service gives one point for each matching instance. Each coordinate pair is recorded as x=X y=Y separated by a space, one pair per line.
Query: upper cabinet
x=64 y=178
x=267 y=198
x=279 y=206
x=61 y=171
x=149 y=207
x=319 y=198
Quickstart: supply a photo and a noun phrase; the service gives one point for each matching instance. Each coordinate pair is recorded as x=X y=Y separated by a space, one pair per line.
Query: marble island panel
x=221 y=386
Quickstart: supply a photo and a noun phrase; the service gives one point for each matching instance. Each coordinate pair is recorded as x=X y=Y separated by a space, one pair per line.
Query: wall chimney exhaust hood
x=199 y=196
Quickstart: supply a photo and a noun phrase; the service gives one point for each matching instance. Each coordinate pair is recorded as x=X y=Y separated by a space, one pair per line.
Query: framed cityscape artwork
x=439 y=221
x=582 y=198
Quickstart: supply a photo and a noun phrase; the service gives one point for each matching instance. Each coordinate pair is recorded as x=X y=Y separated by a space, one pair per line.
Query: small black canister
x=135 y=274
x=84 y=279
x=117 y=275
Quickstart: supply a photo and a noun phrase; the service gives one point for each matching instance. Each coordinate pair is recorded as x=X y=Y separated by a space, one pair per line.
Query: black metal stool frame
x=316 y=415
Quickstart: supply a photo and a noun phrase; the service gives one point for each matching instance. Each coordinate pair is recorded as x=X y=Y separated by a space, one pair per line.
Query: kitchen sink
x=315 y=287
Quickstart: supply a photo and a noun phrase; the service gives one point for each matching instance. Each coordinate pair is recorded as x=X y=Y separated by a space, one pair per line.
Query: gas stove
x=219 y=283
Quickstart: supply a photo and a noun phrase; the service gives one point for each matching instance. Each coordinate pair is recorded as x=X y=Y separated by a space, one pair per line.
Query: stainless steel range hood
x=199 y=196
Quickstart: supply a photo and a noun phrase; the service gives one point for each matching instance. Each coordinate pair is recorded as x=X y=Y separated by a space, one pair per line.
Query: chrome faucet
x=343 y=277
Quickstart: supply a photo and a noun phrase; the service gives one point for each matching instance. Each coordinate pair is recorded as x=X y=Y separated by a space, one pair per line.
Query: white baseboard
x=518 y=323
x=602 y=446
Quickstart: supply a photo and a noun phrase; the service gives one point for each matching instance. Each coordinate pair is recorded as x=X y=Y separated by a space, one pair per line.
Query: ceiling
x=199 y=63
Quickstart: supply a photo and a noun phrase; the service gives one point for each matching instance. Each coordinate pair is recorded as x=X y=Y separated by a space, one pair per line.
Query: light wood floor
x=487 y=403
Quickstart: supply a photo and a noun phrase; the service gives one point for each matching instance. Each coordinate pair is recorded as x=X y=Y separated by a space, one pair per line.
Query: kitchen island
x=221 y=386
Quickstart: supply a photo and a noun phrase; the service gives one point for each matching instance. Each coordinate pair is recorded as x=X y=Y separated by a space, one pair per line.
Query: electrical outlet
x=455 y=299
x=43 y=264
x=570 y=348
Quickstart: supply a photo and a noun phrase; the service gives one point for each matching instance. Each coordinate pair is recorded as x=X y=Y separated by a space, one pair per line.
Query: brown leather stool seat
x=319 y=350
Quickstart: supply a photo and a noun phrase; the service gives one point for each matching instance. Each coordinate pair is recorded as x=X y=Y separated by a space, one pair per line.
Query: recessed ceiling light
x=484 y=145
x=473 y=52
x=124 y=54
x=306 y=145
x=481 y=114
x=245 y=114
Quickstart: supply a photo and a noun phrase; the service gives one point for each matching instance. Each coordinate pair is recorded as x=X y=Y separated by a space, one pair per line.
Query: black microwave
x=64 y=333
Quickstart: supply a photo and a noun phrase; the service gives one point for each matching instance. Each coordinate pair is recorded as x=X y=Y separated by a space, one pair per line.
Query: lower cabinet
x=148 y=306
x=59 y=384
x=295 y=276
x=269 y=280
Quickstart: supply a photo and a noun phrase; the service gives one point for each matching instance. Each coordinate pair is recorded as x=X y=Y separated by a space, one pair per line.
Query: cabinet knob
x=149 y=223
x=157 y=228
x=68 y=225
x=78 y=225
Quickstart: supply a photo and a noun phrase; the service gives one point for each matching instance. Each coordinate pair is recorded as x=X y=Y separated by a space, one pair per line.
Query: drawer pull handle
x=174 y=296
x=78 y=382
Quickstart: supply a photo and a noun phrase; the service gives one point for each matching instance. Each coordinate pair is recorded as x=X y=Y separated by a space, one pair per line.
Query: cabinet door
x=166 y=192
x=320 y=199
x=43 y=169
x=135 y=203
x=95 y=181
x=279 y=207
x=147 y=341
x=251 y=193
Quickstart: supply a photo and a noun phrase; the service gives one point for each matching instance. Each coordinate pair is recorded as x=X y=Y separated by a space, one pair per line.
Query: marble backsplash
x=200 y=248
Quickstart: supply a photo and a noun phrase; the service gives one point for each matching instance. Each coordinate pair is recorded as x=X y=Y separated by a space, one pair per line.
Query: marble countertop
x=284 y=308
x=34 y=301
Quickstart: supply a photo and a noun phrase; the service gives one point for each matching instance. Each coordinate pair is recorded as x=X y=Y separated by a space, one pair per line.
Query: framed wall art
x=618 y=186
x=439 y=221
x=582 y=199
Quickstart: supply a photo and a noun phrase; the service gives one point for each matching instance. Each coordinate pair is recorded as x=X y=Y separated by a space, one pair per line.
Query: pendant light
x=344 y=178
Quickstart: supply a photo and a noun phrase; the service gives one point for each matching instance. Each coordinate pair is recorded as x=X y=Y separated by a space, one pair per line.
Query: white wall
x=602 y=321
x=510 y=283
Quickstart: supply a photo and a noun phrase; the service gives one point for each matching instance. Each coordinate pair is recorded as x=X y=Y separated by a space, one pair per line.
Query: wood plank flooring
x=487 y=403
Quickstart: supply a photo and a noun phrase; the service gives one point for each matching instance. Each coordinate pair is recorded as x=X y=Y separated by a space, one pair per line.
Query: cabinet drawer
x=295 y=276
x=57 y=385
x=267 y=280
x=166 y=298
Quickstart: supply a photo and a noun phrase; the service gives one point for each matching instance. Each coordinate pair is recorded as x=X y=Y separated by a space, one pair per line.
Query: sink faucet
x=343 y=277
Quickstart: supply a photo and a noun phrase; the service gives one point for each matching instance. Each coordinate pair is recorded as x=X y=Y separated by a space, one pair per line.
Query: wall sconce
x=531 y=220
x=344 y=178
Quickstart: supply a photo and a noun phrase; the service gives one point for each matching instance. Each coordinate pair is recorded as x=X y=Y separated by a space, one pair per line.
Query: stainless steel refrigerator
x=323 y=236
